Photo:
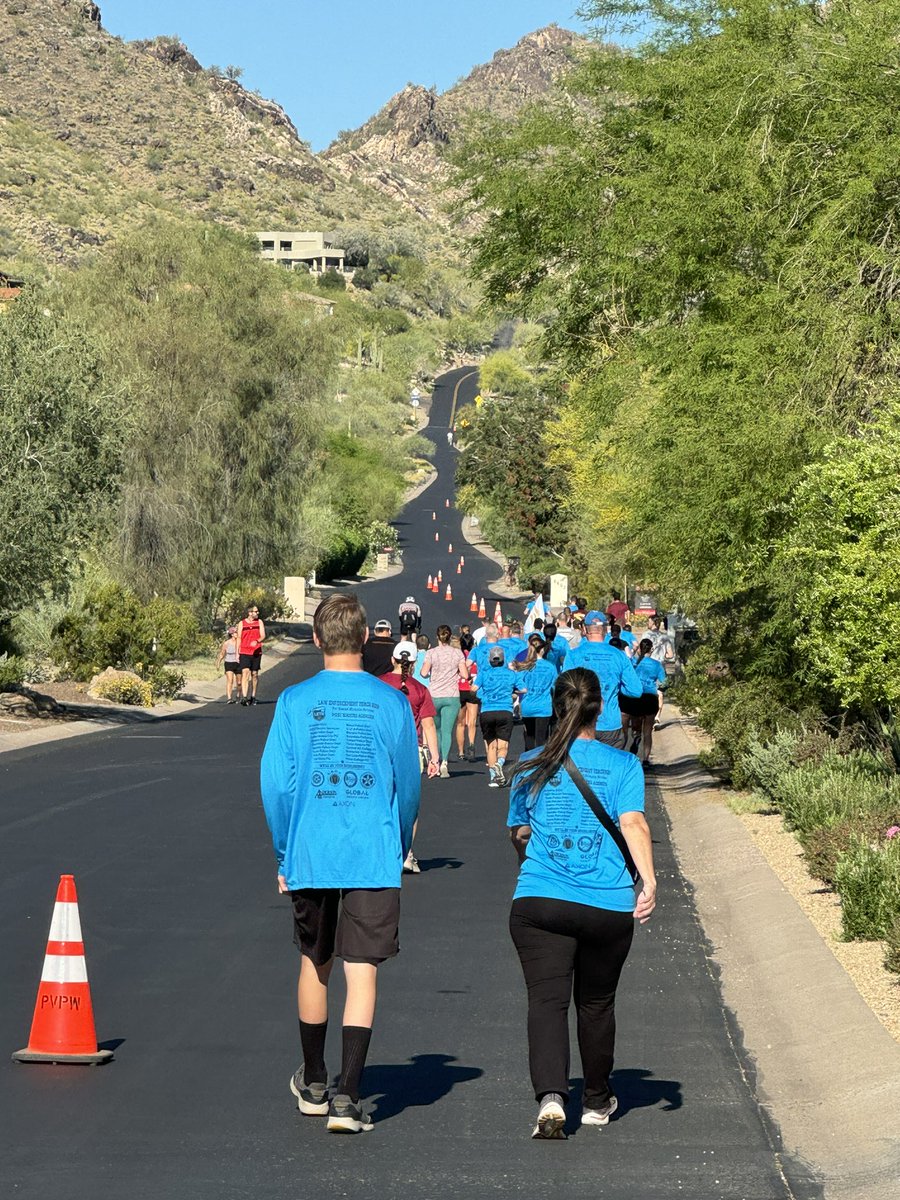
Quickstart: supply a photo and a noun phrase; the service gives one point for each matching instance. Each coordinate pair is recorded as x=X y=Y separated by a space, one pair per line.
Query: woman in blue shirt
x=639 y=714
x=537 y=675
x=573 y=911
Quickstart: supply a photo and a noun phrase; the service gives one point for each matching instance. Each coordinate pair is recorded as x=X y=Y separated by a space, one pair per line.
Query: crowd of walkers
x=341 y=777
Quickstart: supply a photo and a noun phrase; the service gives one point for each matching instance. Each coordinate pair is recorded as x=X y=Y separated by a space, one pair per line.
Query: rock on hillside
x=97 y=134
x=400 y=150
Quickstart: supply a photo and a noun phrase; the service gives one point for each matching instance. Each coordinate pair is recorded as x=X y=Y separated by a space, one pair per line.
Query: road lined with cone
x=194 y=977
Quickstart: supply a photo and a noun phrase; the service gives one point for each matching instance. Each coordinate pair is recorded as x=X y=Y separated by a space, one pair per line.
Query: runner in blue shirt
x=340 y=787
x=496 y=686
x=616 y=675
x=640 y=714
x=557 y=647
x=536 y=677
x=573 y=911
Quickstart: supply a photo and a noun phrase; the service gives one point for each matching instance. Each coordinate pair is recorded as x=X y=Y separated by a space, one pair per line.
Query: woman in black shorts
x=639 y=713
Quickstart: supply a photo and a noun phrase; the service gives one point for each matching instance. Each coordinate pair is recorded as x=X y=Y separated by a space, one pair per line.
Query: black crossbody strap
x=602 y=816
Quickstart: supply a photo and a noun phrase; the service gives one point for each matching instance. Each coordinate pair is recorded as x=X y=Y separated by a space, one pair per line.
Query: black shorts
x=232 y=665
x=358 y=924
x=611 y=737
x=467 y=697
x=250 y=662
x=496 y=726
x=646 y=705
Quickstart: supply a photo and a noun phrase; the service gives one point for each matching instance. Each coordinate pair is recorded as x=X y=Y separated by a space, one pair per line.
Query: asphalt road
x=193 y=973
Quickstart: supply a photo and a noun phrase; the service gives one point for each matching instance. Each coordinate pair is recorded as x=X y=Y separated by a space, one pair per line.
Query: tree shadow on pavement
x=633 y=1088
x=422 y=1081
x=681 y=775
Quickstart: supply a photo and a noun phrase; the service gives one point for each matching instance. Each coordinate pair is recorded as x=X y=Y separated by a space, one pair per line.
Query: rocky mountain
x=98 y=134
x=401 y=150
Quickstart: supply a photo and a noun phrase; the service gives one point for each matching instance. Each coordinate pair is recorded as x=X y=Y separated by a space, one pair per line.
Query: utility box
x=559 y=591
x=295 y=594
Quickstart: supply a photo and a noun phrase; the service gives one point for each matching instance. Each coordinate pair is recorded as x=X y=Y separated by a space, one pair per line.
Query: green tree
x=61 y=432
x=225 y=374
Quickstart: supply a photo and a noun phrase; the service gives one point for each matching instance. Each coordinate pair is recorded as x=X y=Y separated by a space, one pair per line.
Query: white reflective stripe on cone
x=64 y=968
x=66 y=924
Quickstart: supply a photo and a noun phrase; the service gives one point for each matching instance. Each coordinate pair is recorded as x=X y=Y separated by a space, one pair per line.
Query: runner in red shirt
x=251 y=633
x=401 y=678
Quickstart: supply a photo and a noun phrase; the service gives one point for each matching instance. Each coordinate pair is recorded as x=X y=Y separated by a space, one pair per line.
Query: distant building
x=309 y=251
x=10 y=289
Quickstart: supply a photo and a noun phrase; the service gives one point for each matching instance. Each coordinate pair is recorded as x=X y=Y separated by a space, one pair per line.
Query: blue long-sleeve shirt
x=340 y=782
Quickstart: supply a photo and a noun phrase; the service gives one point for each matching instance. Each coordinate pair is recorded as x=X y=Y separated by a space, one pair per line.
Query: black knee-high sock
x=312 y=1039
x=355 y=1048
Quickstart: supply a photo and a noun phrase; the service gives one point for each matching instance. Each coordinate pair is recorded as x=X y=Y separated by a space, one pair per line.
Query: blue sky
x=333 y=64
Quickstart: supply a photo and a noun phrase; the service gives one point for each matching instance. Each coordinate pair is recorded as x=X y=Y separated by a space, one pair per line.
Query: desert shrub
x=165 y=682
x=824 y=846
x=12 y=672
x=761 y=765
x=738 y=714
x=868 y=883
x=331 y=281
x=838 y=788
x=269 y=600
x=892 y=950
x=126 y=691
x=114 y=628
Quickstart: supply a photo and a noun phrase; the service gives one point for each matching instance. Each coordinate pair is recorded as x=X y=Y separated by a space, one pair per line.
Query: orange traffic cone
x=473 y=607
x=449 y=547
x=459 y=568
x=447 y=502
x=428 y=584
x=437 y=536
x=440 y=577
x=482 y=611
x=462 y=560
x=498 y=614
x=436 y=587
x=434 y=516
x=449 y=595
x=62 y=1029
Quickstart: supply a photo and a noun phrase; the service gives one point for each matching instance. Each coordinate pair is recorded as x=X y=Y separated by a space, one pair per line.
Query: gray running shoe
x=501 y=778
x=494 y=780
x=312 y=1098
x=551 y=1118
x=411 y=865
x=345 y=1116
x=470 y=754
x=600 y=1116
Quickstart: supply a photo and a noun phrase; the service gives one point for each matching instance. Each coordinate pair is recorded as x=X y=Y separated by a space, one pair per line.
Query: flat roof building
x=291 y=249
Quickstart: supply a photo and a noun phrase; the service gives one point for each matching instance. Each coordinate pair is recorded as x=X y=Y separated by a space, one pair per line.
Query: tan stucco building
x=292 y=249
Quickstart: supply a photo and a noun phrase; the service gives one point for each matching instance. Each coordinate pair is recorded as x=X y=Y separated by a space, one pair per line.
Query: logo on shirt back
x=555 y=780
x=318 y=714
x=334 y=777
x=350 y=779
x=317 y=779
x=368 y=780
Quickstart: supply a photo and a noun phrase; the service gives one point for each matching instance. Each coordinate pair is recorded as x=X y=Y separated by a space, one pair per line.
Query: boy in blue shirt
x=340 y=788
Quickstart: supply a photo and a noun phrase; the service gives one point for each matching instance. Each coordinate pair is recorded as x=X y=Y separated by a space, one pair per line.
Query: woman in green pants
x=443 y=668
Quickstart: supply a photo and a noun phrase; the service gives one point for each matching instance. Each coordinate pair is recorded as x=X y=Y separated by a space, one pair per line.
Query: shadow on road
x=438 y=864
x=633 y=1088
x=424 y=1080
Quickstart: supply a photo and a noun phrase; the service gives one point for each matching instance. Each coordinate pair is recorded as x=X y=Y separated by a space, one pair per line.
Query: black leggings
x=558 y=941
x=536 y=729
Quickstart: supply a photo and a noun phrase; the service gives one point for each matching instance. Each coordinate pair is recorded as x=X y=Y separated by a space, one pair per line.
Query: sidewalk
x=824 y=1069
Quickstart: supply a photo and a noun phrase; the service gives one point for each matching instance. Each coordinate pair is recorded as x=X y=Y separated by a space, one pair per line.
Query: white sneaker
x=493 y=781
x=411 y=865
x=445 y=771
x=600 y=1116
x=551 y=1118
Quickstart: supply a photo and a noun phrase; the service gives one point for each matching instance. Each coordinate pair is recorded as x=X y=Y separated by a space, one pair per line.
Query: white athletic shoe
x=600 y=1116
x=445 y=771
x=411 y=865
x=551 y=1118
x=345 y=1116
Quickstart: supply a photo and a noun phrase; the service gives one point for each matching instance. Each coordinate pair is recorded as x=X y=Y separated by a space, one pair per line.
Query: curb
x=825 y=1071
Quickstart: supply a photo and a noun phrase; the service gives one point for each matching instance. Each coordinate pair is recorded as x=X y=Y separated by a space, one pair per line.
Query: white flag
x=537 y=612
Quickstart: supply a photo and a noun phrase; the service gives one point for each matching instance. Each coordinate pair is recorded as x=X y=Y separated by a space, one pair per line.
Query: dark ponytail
x=642 y=653
x=577 y=701
x=405 y=668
